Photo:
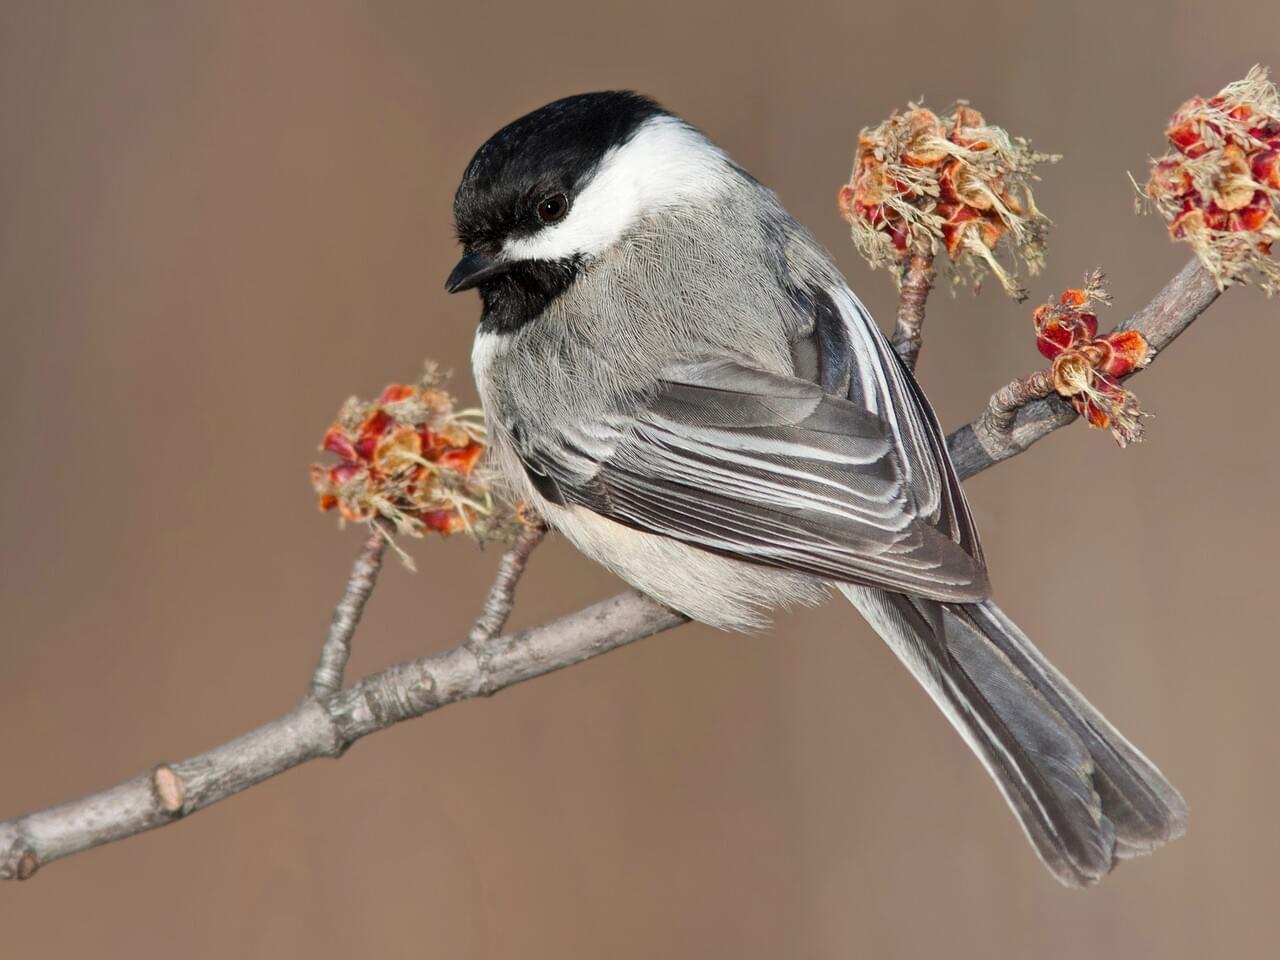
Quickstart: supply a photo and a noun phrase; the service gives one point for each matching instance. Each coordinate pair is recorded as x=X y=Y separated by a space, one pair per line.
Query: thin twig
x=346 y=616
x=917 y=281
x=326 y=726
x=995 y=426
x=502 y=595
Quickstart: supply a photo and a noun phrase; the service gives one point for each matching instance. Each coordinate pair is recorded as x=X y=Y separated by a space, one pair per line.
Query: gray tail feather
x=1084 y=795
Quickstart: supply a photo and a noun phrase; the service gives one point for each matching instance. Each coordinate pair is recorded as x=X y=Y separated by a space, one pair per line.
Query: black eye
x=553 y=208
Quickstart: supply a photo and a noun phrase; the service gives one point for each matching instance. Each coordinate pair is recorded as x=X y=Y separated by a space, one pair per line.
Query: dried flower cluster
x=1219 y=187
x=1087 y=368
x=954 y=180
x=410 y=459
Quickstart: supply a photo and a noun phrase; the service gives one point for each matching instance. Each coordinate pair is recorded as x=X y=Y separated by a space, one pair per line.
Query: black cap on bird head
x=541 y=155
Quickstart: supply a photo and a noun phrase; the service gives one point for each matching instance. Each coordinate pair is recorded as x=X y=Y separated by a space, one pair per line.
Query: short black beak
x=474 y=269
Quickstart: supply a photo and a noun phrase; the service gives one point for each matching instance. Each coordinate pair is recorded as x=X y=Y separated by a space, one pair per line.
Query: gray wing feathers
x=771 y=469
x=1084 y=796
x=854 y=486
x=881 y=382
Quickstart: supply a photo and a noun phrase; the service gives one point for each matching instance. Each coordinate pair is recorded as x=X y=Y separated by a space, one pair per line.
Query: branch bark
x=325 y=727
x=326 y=724
x=917 y=281
x=502 y=595
x=346 y=616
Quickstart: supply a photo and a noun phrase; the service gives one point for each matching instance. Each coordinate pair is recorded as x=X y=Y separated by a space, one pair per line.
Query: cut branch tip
x=169 y=788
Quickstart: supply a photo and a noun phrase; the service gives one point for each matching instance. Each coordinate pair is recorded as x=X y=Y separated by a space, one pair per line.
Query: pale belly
x=720 y=591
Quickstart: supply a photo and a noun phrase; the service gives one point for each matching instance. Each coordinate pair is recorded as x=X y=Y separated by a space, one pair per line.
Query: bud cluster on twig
x=1087 y=368
x=954 y=180
x=1219 y=187
x=410 y=458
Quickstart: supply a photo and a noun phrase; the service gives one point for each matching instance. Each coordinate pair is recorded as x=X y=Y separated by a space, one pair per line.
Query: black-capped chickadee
x=678 y=378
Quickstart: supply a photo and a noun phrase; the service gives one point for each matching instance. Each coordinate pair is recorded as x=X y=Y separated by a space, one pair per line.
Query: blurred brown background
x=217 y=220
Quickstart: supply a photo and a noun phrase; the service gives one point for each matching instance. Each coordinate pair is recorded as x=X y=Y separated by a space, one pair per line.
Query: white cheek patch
x=665 y=162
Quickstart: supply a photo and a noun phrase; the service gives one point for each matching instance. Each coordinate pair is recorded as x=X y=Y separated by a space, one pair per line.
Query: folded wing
x=769 y=469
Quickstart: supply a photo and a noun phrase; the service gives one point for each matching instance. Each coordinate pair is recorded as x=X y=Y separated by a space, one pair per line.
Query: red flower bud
x=1129 y=351
x=955 y=180
x=396 y=392
x=410 y=460
x=1086 y=368
x=1266 y=168
x=1220 y=189
x=337 y=441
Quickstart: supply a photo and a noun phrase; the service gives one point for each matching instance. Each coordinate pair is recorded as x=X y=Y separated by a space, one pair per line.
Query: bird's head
x=551 y=192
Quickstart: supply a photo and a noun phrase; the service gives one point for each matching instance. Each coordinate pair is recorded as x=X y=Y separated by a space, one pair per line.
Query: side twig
x=917 y=281
x=1022 y=420
x=346 y=616
x=502 y=595
x=995 y=427
x=327 y=724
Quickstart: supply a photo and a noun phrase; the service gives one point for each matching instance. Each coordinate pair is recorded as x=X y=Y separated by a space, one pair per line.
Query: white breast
x=707 y=587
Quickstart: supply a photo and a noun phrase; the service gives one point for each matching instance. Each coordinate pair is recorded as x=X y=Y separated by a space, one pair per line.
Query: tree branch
x=325 y=727
x=346 y=616
x=326 y=724
x=502 y=595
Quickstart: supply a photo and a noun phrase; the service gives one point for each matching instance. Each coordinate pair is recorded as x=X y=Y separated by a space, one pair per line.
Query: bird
x=679 y=380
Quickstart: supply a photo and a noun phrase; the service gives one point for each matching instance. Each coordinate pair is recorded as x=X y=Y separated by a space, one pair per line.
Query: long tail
x=1085 y=797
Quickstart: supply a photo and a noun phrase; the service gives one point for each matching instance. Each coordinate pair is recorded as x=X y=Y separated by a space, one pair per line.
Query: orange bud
x=412 y=461
x=991 y=230
x=1169 y=178
x=343 y=474
x=400 y=448
x=871 y=187
x=1128 y=352
x=966 y=121
x=1215 y=218
x=443 y=522
x=370 y=432
x=954 y=226
x=1218 y=191
x=1242 y=113
x=1189 y=223
x=462 y=460
x=1096 y=416
x=1266 y=168
x=452 y=434
x=970 y=188
x=1184 y=130
x=396 y=392
x=1235 y=185
x=925 y=144
x=914 y=169
x=337 y=441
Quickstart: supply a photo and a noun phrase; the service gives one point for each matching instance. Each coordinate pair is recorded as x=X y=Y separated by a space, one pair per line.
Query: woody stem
x=917 y=281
